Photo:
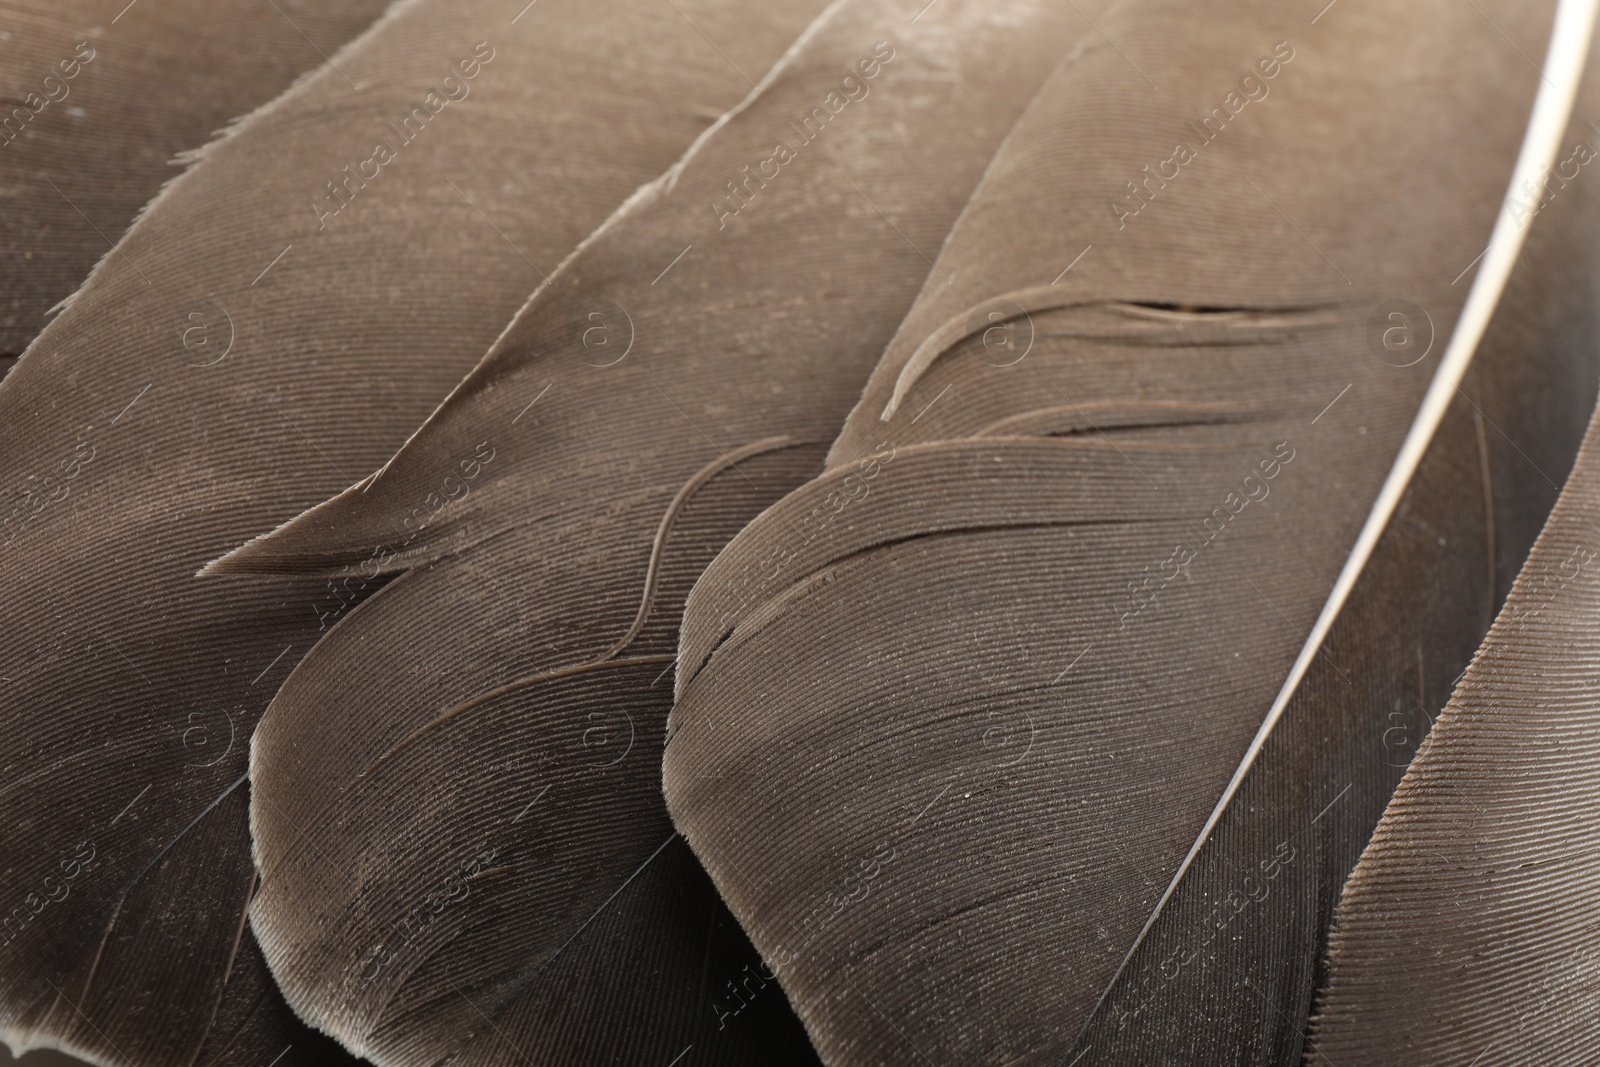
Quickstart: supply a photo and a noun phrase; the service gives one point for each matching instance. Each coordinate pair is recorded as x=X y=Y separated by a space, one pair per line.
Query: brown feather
x=96 y=101
x=1014 y=676
x=1466 y=933
x=1230 y=970
x=273 y=325
x=685 y=368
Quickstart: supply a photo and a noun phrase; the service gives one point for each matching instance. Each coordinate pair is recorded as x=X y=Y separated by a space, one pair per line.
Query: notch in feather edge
x=1570 y=41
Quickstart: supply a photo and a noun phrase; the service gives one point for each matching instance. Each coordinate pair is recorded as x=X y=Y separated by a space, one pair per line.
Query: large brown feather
x=683 y=370
x=1013 y=676
x=1230 y=970
x=273 y=326
x=1467 y=933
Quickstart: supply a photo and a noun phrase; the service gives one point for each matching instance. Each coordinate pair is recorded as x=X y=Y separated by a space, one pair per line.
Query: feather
x=1231 y=967
x=1466 y=933
x=96 y=101
x=1139 y=455
x=284 y=313
x=41 y=1058
x=684 y=369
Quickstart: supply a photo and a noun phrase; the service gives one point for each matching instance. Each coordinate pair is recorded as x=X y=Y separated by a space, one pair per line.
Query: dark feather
x=520 y=665
x=1013 y=678
x=97 y=99
x=251 y=341
x=1231 y=968
x=1467 y=933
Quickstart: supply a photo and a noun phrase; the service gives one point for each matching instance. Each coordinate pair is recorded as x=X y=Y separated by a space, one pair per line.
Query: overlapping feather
x=1135 y=440
x=96 y=99
x=271 y=327
x=685 y=368
x=466 y=856
x=1231 y=967
x=1466 y=933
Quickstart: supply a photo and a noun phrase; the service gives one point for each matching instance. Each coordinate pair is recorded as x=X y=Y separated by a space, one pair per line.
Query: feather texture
x=1230 y=969
x=41 y=1058
x=1466 y=933
x=683 y=370
x=1134 y=448
x=82 y=147
x=363 y=249
x=1474 y=899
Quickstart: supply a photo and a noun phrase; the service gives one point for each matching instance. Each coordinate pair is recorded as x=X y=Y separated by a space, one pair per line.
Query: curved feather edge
x=184 y=158
x=589 y=544
x=185 y=162
x=1563 y=68
x=865 y=569
x=266 y=621
x=1466 y=933
x=331 y=536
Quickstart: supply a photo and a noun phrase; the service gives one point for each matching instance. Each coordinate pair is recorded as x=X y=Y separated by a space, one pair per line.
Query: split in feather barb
x=507 y=693
x=277 y=321
x=1467 y=933
x=1159 y=415
x=96 y=104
